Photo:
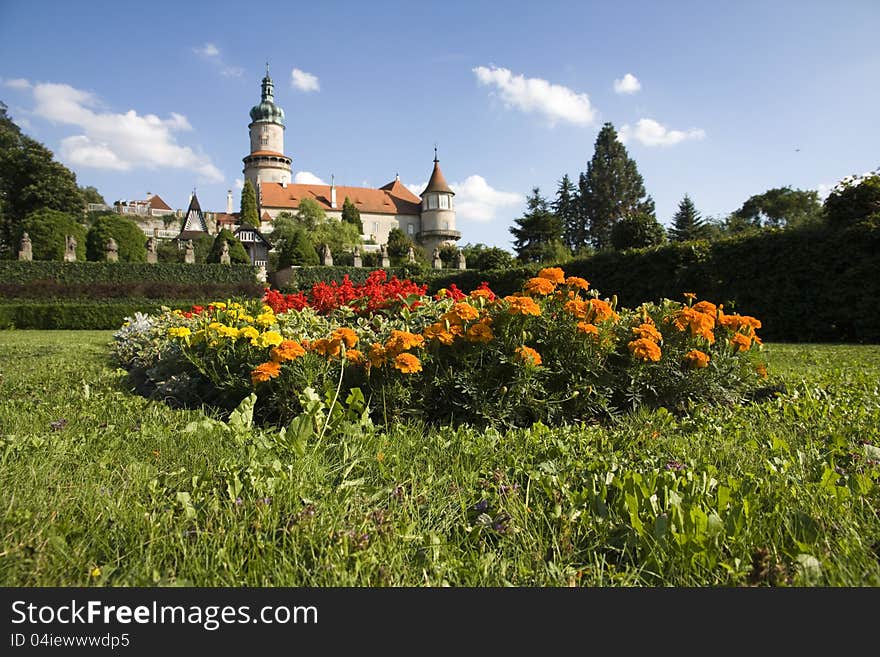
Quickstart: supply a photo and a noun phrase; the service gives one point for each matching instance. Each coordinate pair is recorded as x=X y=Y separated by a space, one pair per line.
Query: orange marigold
x=407 y=363
x=644 y=349
x=700 y=324
x=522 y=306
x=690 y=295
x=539 y=286
x=602 y=310
x=354 y=356
x=401 y=341
x=528 y=355
x=327 y=347
x=437 y=331
x=465 y=311
x=696 y=359
x=287 y=350
x=588 y=329
x=648 y=331
x=345 y=334
x=479 y=333
x=741 y=342
x=576 y=281
x=264 y=372
x=378 y=355
x=706 y=307
x=577 y=307
x=552 y=274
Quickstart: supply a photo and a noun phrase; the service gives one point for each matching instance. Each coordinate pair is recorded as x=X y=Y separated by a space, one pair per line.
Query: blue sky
x=717 y=100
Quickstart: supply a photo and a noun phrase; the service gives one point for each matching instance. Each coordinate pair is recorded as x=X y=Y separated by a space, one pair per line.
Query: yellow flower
x=219 y=305
x=346 y=335
x=696 y=359
x=522 y=306
x=249 y=333
x=264 y=372
x=580 y=283
x=479 y=333
x=647 y=331
x=407 y=363
x=287 y=350
x=528 y=355
x=539 y=286
x=553 y=274
x=179 y=332
x=228 y=331
x=95 y=572
x=644 y=349
x=588 y=329
x=266 y=319
x=268 y=339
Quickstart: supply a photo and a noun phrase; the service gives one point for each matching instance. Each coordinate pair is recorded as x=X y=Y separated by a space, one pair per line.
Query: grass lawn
x=102 y=487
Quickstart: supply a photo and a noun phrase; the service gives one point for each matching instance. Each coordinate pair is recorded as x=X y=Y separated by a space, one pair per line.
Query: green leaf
x=242 y=418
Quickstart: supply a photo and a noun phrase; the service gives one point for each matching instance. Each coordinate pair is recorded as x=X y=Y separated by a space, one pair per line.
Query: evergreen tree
x=538 y=233
x=687 y=223
x=398 y=246
x=297 y=249
x=351 y=215
x=636 y=231
x=611 y=188
x=48 y=230
x=574 y=232
x=237 y=253
x=249 y=216
x=129 y=238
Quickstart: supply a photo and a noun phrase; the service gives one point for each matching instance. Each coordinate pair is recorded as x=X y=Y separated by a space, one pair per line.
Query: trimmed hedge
x=810 y=284
x=305 y=277
x=95 y=315
x=15 y=271
x=49 y=289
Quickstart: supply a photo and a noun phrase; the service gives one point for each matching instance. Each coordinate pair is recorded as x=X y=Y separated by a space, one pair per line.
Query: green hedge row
x=93 y=315
x=814 y=284
x=15 y=271
x=303 y=278
x=52 y=290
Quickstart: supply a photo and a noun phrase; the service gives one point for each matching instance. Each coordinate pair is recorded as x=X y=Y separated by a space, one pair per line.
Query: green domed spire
x=267 y=110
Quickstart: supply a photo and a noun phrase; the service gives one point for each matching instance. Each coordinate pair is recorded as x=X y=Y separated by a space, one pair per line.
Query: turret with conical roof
x=267 y=161
x=438 y=212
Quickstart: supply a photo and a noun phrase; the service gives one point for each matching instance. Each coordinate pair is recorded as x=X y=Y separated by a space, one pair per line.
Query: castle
x=429 y=221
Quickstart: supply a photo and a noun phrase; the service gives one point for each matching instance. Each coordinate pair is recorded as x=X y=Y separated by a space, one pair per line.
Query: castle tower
x=267 y=162
x=438 y=212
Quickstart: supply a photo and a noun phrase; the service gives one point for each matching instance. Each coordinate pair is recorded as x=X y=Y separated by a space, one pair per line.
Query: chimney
x=332 y=191
x=228 y=201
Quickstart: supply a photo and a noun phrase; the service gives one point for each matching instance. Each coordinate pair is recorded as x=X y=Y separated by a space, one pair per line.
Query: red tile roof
x=437 y=183
x=156 y=203
x=392 y=198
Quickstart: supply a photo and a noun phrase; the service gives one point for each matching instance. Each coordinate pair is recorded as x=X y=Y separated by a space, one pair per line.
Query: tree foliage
x=48 y=230
x=567 y=208
x=30 y=180
x=249 y=215
x=237 y=253
x=130 y=240
x=779 y=207
x=297 y=250
x=687 y=223
x=855 y=199
x=90 y=194
x=637 y=231
x=480 y=256
x=399 y=244
x=351 y=215
x=538 y=233
x=310 y=214
x=610 y=189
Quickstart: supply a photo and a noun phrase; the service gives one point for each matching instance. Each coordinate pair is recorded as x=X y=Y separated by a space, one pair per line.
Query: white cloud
x=475 y=199
x=649 y=132
x=628 y=84
x=534 y=95
x=232 y=71
x=208 y=50
x=307 y=178
x=304 y=81
x=239 y=184
x=118 y=141
x=17 y=83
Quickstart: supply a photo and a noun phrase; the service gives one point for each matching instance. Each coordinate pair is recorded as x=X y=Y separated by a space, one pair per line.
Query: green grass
x=781 y=492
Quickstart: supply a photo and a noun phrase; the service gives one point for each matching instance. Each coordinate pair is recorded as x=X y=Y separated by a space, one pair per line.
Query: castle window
x=444 y=202
x=432 y=202
x=410 y=229
x=445 y=225
x=376 y=227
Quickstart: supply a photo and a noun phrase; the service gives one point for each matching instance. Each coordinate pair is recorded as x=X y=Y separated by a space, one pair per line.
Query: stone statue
x=224 y=254
x=462 y=263
x=111 y=249
x=326 y=256
x=152 y=256
x=411 y=255
x=358 y=262
x=70 y=249
x=383 y=251
x=189 y=256
x=437 y=262
x=26 y=250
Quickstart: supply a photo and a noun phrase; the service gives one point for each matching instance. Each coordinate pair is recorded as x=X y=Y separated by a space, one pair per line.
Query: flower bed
x=556 y=352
